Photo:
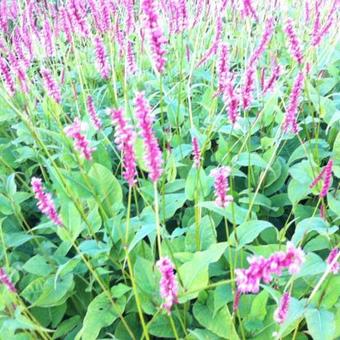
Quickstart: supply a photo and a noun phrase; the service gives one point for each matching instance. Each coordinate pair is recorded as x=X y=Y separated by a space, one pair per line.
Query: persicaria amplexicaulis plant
x=169 y=169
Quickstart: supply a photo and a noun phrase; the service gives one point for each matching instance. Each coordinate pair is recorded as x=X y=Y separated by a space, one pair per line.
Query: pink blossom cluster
x=215 y=44
x=7 y=77
x=101 y=58
x=80 y=142
x=77 y=14
x=125 y=139
x=93 y=114
x=19 y=70
x=153 y=28
x=130 y=63
x=223 y=68
x=290 y=122
x=270 y=83
x=333 y=260
x=51 y=85
x=5 y=280
x=178 y=16
x=196 y=152
x=45 y=202
x=248 y=280
x=294 y=43
x=48 y=39
x=221 y=185
x=326 y=174
x=250 y=72
x=248 y=9
x=281 y=312
x=153 y=154
x=168 y=283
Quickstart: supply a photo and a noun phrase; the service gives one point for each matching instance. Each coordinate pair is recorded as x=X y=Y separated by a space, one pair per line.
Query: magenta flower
x=93 y=114
x=270 y=83
x=248 y=9
x=45 y=202
x=333 y=260
x=125 y=139
x=5 y=280
x=19 y=71
x=216 y=42
x=66 y=24
x=7 y=77
x=168 y=283
x=223 y=68
x=157 y=39
x=248 y=280
x=51 y=86
x=153 y=154
x=77 y=14
x=290 y=122
x=103 y=66
x=267 y=35
x=130 y=17
x=233 y=102
x=281 y=312
x=294 y=43
x=130 y=63
x=221 y=185
x=80 y=142
x=248 y=86
x=327 y=180
x=48 y=39
x=196 y=152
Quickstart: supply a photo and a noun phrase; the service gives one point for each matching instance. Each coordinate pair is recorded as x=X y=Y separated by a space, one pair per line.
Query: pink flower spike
x=333 y=260
x=103 y=66
x=5 y=280
x=51 y=86
x=223 y=68
x=196 y=152
x=156 y=37
x=221 y=186
x=294 y=44
x=153 y=154
x=48 y=39
x=168 y=283
x=327 y=180
x=45 y=202
x=93 y=114
x=130 y=62
x=125 y=138
x=281 y=312
x=248 y=86
x=80 y=142
x=290 y=122
x=7 y=77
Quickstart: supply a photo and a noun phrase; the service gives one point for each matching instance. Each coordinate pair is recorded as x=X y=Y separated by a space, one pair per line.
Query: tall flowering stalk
x=325 y=174
x=215 y=44
x=102 y=63
x=51 y=86
x=45 y=202
x=294 y=43
x=248 y=9
x=156 y=37
x=248 y=280
x=223 y=68
x=80 y=142
x=19 y=71
x=6 y=281
x=281 y=312
x=333 y=260
x=130 y=62
x=93 y=113
x=125 y=139
x=153 y=154
x=196 y=152
x=7 y=77
x=270 y=83
x=168 y=283
x=221 y=186
x=77 y=15
x=48 y=39
x=290 y=122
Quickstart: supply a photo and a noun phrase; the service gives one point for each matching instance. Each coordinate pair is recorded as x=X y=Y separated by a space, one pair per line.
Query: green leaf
x=312 y=224
x=321 y=324
x=161 y=326
x=259 y=306
x=297 y=191
x=197 y=182
x=71 y=220
x=248 y=231
x=248 y=159
x=221 y=324
x=37 y=265
x=100 y=313
x=107 y=189
x=194 y=273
